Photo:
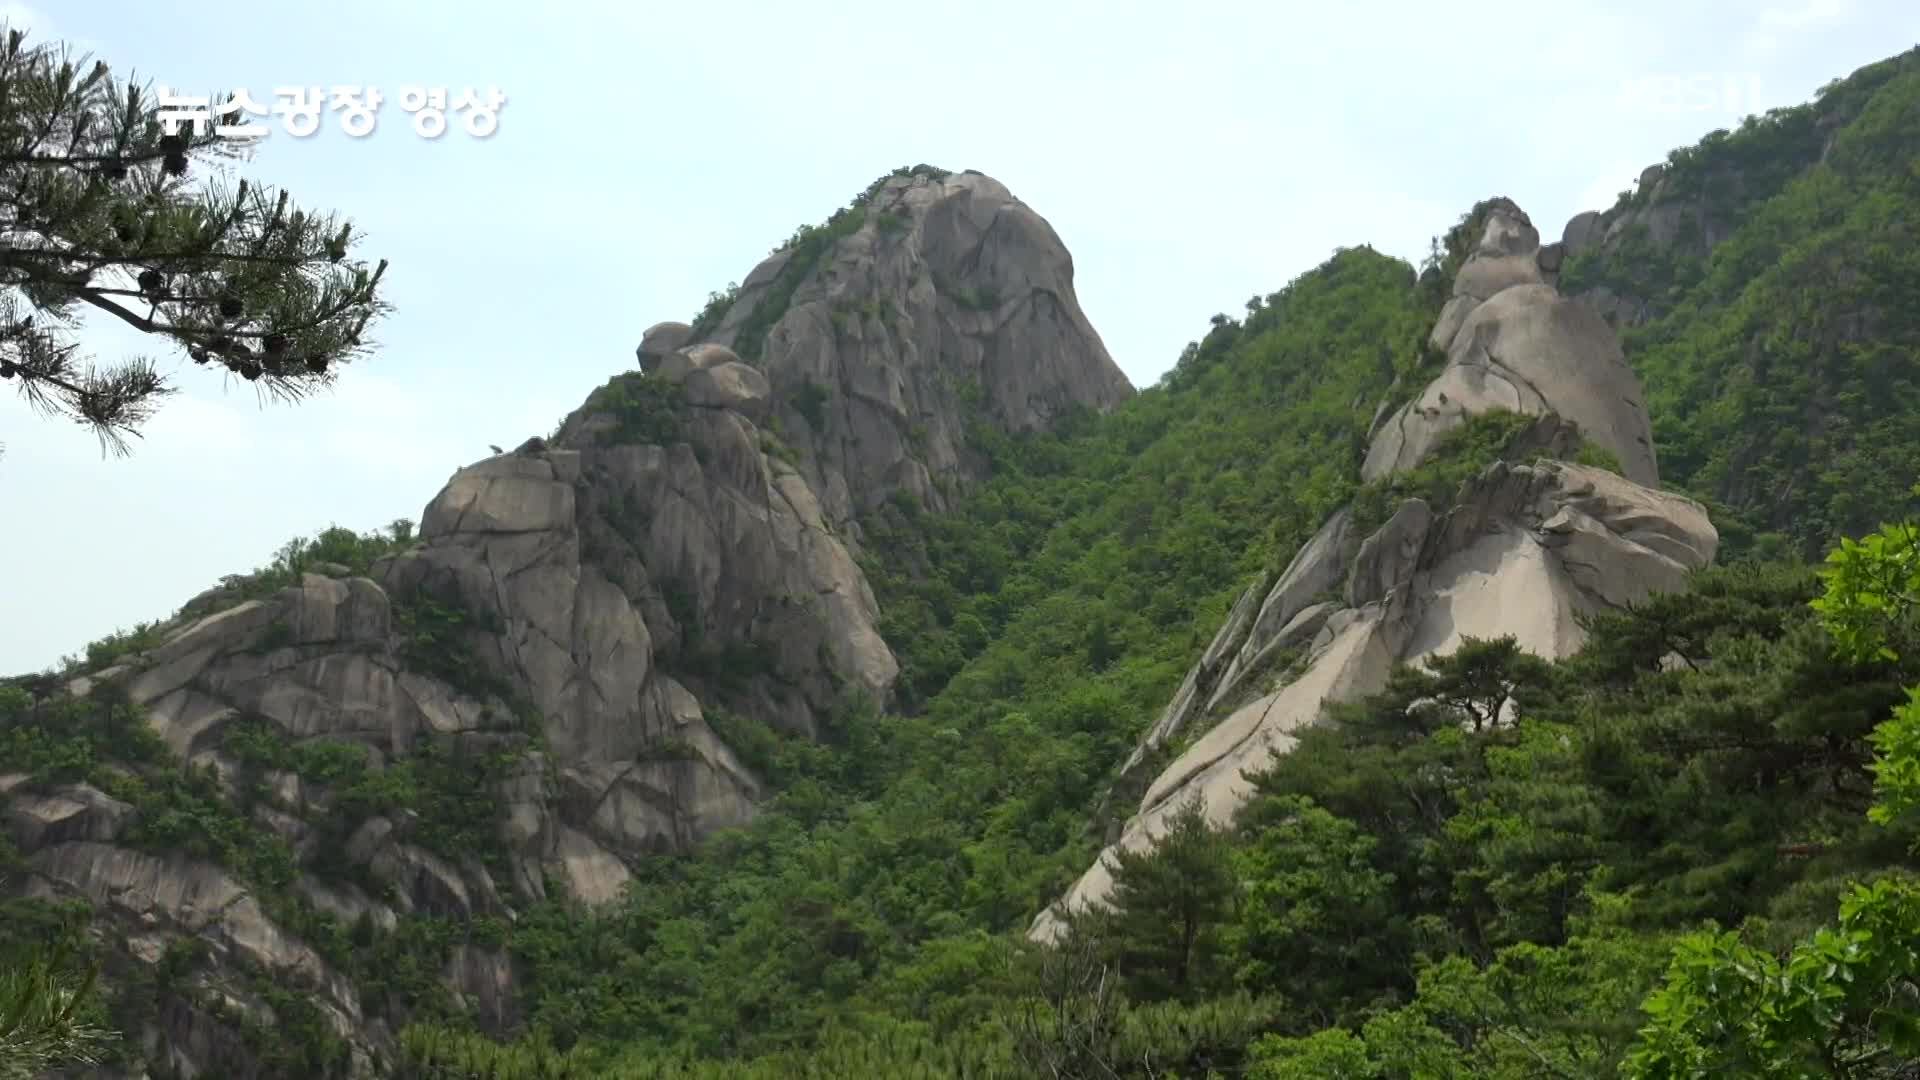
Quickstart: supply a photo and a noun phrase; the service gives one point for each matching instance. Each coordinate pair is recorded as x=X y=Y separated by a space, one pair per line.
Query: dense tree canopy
x=1779 y=363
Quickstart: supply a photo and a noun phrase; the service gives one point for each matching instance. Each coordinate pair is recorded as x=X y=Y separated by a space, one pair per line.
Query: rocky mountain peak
x=934 y=298
x=587 y=633
x=346 y=809
x=1513 y=342
x=1524 y=548
x=678 y=547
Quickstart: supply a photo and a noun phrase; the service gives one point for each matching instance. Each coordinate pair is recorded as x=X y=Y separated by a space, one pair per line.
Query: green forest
x=1691 y=852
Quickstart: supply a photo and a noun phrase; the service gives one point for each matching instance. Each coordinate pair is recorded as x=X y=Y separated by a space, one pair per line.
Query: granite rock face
x=577 y=622
x=1522 y=550
x=944 y=296
x=555 y=652
x=1660 y=216
x=1513 y=342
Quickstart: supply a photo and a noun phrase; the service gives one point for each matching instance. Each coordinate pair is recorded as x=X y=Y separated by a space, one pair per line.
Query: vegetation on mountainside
x=96 y=210
x=1414 y=895
x=1473 y=903
x=646 y=409
x=333 y=547
x=103 y=741
x=443 y=788
x=1686 y=851
x=1779 y=369
x=896 y=856
x=1098 y=559
x=1456 y=457
x=178 y=808
x=806 y=247
x=1843 y=1001
x=1462 y=454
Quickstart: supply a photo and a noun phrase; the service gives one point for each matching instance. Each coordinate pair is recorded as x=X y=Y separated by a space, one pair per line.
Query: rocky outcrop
x=156 y=903
x=1638 y=257
x=575 y=624
x=579 y=609
x=1513 y=342
x=662 y=340
x=1673 y=220
x=1523 y=550
x=583 y=576
x=937 y=295
x=1653 y=215
x=1527 y=550
x=69 y=812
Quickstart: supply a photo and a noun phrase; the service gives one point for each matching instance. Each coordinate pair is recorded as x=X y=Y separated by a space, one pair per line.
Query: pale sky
x=1191 y=155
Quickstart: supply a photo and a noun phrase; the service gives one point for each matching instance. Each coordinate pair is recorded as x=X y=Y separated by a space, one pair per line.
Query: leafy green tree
x=1314 y=915
x=96 y=212
x=1479 y=686
x=1843 y=1004
x=1535 y=1011
x=1482 y=682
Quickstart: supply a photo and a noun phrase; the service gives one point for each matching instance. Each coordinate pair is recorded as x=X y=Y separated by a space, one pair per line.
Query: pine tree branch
x=93 y=202
x=40 y=376
x=94 y=297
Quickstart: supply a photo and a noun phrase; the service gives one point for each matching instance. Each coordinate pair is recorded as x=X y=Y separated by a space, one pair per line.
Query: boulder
x=680 y=363
x=731 y=385
x=661 y=340
x=66 y=813
x=1580 y=233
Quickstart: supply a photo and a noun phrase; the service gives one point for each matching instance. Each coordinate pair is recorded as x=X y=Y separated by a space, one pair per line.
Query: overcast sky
x=1191 y=155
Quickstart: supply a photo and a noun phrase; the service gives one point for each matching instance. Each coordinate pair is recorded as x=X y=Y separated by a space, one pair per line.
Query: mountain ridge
x=574 y=618
x=1041 y=611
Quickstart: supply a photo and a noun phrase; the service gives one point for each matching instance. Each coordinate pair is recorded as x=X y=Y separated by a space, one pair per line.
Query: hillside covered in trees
x=1685 y=849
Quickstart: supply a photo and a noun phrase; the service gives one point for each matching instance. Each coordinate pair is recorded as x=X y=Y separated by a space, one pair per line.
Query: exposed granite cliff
x=570 y=626
x=1523 y=550
x=1513 y=342
x=940 y=297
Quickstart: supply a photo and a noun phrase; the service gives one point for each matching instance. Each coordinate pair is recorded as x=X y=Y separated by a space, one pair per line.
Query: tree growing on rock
x=97 y=212
x=1169 y=906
